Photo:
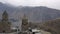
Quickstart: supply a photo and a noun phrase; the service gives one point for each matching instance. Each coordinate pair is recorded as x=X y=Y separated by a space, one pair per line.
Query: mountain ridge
x=40 y=13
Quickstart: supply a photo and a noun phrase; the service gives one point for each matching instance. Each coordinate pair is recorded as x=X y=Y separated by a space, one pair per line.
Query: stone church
x=4 y=23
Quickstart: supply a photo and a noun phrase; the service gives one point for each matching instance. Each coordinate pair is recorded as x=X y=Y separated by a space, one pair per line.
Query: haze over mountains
x=38 y=14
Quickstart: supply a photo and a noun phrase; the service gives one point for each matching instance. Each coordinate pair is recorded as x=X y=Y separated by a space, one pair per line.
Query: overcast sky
x=48 y=3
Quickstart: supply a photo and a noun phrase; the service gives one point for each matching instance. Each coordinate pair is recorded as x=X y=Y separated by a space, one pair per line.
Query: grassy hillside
x=52 y=26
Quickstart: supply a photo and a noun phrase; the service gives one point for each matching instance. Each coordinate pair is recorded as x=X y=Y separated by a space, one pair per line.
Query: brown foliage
x=52 y=26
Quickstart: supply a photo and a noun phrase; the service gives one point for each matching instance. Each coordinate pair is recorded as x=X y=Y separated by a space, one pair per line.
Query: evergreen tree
x=5 y=16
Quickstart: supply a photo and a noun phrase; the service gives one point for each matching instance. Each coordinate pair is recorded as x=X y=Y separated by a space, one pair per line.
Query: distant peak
x=1 y=3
